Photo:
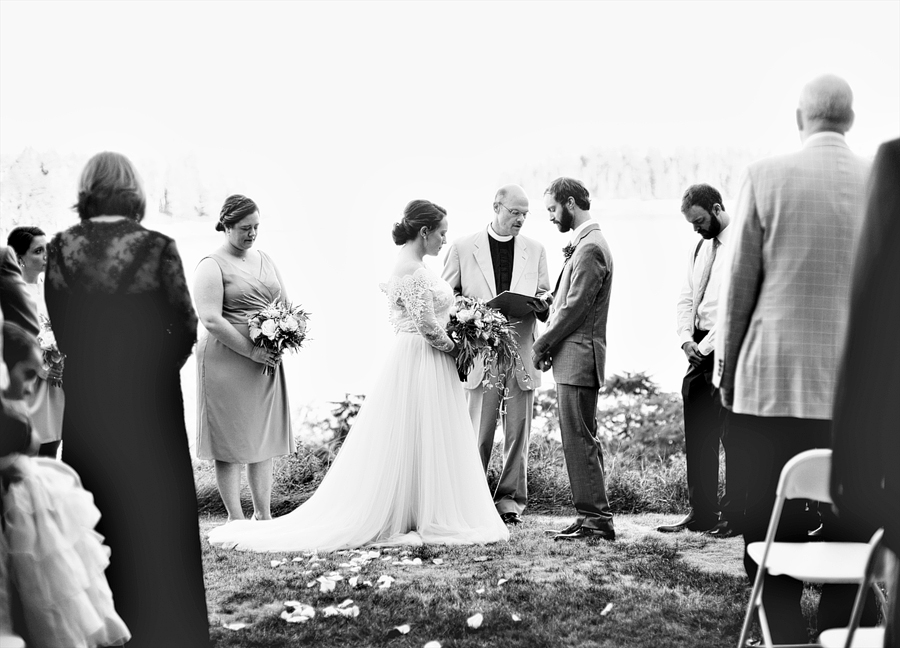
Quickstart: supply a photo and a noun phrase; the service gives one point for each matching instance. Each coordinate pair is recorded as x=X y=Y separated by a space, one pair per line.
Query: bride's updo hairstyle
x=235 y=209
x=110 y=186
x=416 y=215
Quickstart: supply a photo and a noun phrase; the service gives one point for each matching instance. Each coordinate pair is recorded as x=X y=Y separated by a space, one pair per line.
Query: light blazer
x=576 y=336
x=469 y=271
x=787 y=287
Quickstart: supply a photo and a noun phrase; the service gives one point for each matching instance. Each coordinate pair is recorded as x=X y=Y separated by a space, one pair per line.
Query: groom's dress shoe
x=569 y=529
x=511 y=518
x=690 y=522
x=723 y=529
x=585 y=533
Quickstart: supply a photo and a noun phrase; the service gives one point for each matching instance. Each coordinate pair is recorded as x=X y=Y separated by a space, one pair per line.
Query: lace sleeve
x=56 y=291
x=183 y=325
x=418 y=297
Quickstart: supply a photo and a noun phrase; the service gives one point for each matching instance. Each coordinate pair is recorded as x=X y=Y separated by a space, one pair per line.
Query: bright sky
x=351 y=84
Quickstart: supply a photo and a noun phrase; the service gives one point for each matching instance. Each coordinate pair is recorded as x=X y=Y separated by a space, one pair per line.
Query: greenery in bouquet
x=53 y=358
x=480 y=331
x=279 y=327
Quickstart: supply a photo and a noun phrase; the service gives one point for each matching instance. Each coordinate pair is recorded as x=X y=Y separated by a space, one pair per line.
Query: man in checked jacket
x=783 y=316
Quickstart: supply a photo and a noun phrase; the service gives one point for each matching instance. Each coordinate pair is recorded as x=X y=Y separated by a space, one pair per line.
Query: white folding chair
x=805 y=476
x=853 y=636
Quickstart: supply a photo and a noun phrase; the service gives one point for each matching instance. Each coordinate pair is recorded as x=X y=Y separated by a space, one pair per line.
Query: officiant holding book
x=493 y=261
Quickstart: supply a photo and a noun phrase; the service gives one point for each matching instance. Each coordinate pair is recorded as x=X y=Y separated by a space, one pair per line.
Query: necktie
x=704 y=279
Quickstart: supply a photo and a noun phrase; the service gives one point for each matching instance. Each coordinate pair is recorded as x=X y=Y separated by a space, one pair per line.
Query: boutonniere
x=568 y=251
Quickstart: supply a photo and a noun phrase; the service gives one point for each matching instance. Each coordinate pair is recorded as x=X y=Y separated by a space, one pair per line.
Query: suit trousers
x=584 y=457
x=764 y=445
x=511 y=494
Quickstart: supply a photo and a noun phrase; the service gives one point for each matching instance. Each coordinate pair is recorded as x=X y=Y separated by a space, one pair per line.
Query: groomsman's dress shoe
x=690 y=522
x=511 y=518
x=723 y=529
x=586 y=533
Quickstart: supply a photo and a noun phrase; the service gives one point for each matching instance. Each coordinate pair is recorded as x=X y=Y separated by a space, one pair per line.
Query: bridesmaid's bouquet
x=481 y=331
x=278 y=327
x=53 y=358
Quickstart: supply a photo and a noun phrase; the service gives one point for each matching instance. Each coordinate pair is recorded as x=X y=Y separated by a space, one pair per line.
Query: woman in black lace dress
x=121 y=311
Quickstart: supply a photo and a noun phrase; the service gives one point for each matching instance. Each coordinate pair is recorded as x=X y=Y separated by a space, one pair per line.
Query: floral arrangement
x=481 y=331
x=53 y=358
x=278 y=327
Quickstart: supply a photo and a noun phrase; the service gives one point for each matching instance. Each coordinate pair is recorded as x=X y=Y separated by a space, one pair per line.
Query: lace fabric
x=420 y=303
x=121 y=258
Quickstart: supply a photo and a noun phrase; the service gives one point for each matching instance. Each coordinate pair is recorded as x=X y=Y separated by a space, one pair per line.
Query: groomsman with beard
x=483 y=265
x=574 y=344
x=704 y=416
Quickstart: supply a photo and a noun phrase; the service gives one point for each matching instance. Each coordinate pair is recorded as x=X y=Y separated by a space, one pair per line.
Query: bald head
x=510 y=191
x=826 y=104
x=510 y=210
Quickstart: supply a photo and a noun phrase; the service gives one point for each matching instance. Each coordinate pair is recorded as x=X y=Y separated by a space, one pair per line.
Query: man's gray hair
x=827 y=98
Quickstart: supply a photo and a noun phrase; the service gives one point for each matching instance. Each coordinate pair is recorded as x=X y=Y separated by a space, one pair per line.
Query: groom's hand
x=539 y=304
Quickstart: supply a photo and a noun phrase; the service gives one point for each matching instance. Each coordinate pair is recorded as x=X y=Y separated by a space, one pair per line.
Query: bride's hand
x=454 y=352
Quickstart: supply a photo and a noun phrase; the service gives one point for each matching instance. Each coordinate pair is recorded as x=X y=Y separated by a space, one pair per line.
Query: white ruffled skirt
x=56 y=560
x=408 y=472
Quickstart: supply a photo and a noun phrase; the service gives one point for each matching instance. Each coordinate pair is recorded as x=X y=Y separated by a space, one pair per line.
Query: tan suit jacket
x=469 y=271
x=785 y=303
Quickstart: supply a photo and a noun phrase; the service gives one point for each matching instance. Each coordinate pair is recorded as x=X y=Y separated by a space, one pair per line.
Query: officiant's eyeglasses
x=515 y=212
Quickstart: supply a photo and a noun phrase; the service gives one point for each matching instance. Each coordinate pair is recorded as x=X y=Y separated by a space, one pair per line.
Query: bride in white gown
x=408 y=472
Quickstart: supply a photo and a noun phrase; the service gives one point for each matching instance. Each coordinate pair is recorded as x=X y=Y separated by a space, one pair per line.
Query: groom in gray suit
x=483 y=265
x=574 y=344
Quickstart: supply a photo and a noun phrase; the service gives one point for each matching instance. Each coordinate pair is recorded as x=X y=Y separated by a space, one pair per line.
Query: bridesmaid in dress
x=48 y=402
x=121 y=311
x=243 y=416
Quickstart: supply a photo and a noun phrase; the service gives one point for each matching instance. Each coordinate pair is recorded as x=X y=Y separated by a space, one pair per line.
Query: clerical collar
x=498 y=237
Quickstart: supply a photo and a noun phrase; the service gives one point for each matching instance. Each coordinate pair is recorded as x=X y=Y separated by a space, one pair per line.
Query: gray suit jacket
x=785 y=305
x=576 y=337
x=469 y=271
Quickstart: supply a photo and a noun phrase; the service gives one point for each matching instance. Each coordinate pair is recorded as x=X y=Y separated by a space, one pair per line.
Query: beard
x=566 y=220
x=715 y=226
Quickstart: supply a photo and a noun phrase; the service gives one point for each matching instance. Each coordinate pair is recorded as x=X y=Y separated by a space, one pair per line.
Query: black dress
x=122 y=314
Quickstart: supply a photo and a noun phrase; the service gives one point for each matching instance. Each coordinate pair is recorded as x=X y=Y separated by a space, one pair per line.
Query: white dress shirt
x=708 y=308
x=579 y=230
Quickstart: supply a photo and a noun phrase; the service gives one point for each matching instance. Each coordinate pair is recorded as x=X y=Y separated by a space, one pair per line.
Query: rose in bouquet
x=278 y=327
x=480 y=331
x=53 y=358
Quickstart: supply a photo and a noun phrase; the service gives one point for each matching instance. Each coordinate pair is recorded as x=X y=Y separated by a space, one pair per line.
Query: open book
x=513 y=304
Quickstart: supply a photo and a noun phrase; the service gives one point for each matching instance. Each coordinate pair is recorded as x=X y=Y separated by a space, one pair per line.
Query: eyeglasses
x=515 y=212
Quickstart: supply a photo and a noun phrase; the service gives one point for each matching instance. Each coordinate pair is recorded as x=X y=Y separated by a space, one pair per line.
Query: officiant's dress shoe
x=690 y=522
x=585 y=533
x=723 y=529
x=511 y=518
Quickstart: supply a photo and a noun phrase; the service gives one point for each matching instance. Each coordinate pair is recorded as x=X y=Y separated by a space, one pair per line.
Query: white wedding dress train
x=409 y=471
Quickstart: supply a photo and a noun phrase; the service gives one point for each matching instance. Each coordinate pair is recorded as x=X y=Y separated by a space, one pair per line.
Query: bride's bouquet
x=480 y=331
x=53 y=358
x=278 y=327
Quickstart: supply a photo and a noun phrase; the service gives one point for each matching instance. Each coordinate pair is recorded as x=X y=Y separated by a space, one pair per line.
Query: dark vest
x=502 y=253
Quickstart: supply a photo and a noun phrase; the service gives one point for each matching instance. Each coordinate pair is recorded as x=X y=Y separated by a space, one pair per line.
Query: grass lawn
x=664 y=590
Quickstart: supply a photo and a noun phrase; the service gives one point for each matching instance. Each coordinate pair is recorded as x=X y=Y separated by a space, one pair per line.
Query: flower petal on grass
x=475 y=621
x=345 y=603
x=501 y=581
x=480 y=559
x=275 y=563
x=398 y=631
x=437 y=561
x=432 y=644
x=353 y=581
x=384 y=581
x=300 y=614
x=326 y=585
x=515 y=617
x=606 y=610
x=480 y=590
x=235 y=626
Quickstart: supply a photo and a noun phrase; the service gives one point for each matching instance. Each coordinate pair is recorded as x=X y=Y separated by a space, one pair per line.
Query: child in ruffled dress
x=51 y=559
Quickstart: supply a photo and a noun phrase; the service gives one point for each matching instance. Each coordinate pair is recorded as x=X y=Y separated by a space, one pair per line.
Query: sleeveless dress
x=408 y=472
x=48 y=402
x=243 y=416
